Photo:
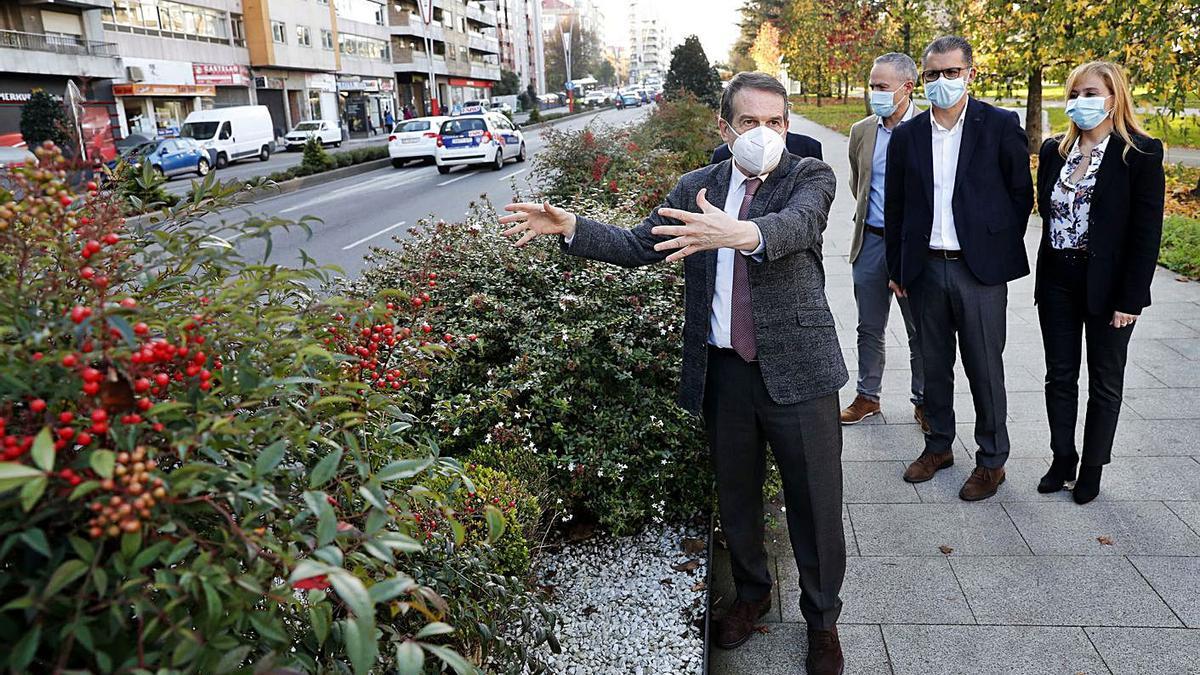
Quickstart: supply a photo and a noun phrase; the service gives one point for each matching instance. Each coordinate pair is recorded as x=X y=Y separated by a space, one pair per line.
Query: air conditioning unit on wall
x=134 y=74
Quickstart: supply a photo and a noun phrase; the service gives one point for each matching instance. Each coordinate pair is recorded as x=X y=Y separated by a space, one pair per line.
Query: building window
x=279 y=32
x=462 y=54
x=379 y=17
x=326 y=39
x=364 y=47
x=168 y=19
x=238 y=29
x=303 y=36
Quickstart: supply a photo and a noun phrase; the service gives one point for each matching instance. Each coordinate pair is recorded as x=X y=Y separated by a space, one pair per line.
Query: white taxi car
x=414 y=139
x=478 y=139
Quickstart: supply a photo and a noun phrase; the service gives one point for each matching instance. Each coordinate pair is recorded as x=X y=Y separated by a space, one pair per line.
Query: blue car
x=171 y=156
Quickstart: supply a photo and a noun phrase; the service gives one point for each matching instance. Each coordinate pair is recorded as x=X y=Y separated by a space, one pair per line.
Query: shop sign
x=138 y=89
x=221 y=75
x=356 y=83
x=157 y=71
x=387 y=85
x=321 y=81
x=459 y=82
x=20 y=96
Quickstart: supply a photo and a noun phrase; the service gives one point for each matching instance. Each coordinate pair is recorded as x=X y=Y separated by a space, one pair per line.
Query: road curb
x=287 y=186
x=539 y=125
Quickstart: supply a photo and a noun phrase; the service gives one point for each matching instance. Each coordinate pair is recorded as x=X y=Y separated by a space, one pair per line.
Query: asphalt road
x=251 y=168
x=368 y=209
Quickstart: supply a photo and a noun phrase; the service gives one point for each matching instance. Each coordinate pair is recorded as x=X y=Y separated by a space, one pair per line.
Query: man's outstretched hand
x=711 y=228
x=534 y=219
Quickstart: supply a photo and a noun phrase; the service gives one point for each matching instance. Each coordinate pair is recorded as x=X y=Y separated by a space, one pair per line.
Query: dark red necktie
x=741 y=312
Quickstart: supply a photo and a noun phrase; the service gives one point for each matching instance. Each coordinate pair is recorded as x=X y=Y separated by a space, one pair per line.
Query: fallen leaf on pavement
x=1105 y=541
x=687 y=566
x=699 y=586
x=666 y=582
x=692 y=546
x=945 y=549
x=762 y=629
x=589 y=610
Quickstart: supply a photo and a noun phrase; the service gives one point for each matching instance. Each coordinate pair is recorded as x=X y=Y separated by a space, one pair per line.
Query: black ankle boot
x=1088 y=485
x=1056 y=478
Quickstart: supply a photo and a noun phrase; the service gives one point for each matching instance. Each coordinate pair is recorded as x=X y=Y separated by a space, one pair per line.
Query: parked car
x=230 y=134
x=475 y=106
x=414 y=139
x=328 y=133
x=171 y=156
x=478 y=139
x=595 y=98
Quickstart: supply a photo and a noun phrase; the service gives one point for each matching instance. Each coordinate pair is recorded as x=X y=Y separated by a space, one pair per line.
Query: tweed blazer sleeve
x=633 y=247
x=800 y=223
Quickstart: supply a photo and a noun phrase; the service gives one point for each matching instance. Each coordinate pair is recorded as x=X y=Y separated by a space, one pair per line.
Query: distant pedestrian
x=892 y=80
x=388 y=120
x=408 y=112
x=1100 y=195
x=956 y=206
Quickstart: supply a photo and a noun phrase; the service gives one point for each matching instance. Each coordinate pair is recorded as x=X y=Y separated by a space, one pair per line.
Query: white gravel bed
x=629 y=605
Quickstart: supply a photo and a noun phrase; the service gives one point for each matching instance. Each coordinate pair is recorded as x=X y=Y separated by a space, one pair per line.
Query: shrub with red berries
x=204 y=464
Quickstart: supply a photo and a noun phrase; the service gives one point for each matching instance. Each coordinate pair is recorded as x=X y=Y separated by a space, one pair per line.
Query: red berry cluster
x=133 y=496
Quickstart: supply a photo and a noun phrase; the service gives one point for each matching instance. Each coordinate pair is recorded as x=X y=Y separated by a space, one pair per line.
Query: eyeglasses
x=950 y=73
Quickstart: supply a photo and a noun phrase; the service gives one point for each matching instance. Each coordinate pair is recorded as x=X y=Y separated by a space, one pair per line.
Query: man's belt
x=877 y=231
x=942 y=254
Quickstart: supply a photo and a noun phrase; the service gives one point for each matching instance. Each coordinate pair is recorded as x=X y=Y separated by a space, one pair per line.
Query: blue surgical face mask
x=944 y=93
x=883 y=103
x=1087 y=113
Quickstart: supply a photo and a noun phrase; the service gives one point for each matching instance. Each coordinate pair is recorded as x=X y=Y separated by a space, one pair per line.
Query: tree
x=44 y=119
x=585 y=56
x=605 y=73
x=754 y=14
x=691 y=72
x=765 y=50
x=509 y=84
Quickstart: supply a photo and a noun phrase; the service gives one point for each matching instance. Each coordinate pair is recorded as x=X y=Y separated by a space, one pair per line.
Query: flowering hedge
x=207 y=467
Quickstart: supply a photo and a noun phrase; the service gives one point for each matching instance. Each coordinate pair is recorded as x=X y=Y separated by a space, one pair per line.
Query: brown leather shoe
x=824 y=653
x=861 y=409
x=733 y=629
x=919 y=416
x=982 y=484
x=928 y=464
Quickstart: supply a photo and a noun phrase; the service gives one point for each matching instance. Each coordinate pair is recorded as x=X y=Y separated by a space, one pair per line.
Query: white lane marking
x=466 y=174
x=515 y=173
x=389 y=228
x=379 y=183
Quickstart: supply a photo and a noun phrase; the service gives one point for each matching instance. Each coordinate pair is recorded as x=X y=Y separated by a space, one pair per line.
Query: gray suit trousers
x=874 y=301
x=806 y=438
x=950 y=303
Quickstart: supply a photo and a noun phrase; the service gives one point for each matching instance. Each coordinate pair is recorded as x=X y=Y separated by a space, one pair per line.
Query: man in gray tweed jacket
x=761 y=359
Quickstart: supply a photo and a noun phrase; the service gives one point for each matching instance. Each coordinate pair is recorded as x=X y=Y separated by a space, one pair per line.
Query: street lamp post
x=566 y=40
x=426 y=7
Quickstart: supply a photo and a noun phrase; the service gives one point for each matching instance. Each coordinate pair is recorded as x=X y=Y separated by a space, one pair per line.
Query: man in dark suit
x=797 y=144
x=761 y=360
x=957 y=199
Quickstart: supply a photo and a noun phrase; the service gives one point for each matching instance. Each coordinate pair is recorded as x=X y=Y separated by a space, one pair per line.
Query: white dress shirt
x=946 y=143
x=719 y=321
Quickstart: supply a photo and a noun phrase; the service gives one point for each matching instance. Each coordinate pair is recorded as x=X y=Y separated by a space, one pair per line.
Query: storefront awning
x=141 y=89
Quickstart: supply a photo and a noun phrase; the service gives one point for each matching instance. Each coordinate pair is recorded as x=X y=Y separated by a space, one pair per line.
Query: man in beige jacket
x=893 y=78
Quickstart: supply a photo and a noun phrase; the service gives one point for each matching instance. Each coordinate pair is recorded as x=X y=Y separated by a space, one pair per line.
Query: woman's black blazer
x=1124 y=225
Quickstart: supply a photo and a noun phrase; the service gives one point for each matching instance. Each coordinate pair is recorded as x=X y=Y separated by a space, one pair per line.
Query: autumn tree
x=765 y=50
x=754 y=14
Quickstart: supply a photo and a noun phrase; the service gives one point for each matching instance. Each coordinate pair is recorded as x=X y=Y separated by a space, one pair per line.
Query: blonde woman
x=1100 y=195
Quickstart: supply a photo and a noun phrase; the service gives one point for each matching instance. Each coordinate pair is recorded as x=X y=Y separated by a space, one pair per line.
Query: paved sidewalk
x=1034 y=583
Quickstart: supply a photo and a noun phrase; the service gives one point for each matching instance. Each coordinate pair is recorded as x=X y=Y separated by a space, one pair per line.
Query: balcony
x=81 y=4
x=44 y=54
x=408 y=61
x=483 y=43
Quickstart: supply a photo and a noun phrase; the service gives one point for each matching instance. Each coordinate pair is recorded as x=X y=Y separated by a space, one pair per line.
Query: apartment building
x=366 y=83
x=522 y=48
x=45 y=45
x=648 y=62
x=176 y=57
x=465 y=61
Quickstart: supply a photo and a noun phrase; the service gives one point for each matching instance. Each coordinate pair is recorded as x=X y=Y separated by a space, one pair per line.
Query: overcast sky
x=715 y=21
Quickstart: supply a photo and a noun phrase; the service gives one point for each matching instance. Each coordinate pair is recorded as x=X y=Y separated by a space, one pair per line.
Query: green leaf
x=23 y=602
x=180 y=551
x=495 y=522
x=331 y=400
x=404 y=468
x=452 y=659
x=83 y=548
x=359 y=635
x=434 y=628
x=43 y=450
x=325 y=469
x=13 y=475
x=410 y=659
x=148 y=555
x=32 y=491
x=270 y=458
x=389 y=589
x=268 y=627
x=319 y=618
x=22 y=653
x=460 y=532
x=352 y=592
x=131 y=542
x=36 y=540
x=84 y=489
x=102 y=462
x=318 y=503
x=232 y=660
x=66 y=573
x=100 y=579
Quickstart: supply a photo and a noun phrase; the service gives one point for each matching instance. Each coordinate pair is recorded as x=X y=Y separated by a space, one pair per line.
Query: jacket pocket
x=815 y=317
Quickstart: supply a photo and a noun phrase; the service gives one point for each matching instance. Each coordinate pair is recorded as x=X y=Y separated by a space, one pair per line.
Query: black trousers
x=806 y=438
x=955 y=312
x=1062 y=312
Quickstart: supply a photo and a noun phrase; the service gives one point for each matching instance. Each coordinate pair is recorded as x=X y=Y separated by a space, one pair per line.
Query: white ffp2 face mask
x=757 y=151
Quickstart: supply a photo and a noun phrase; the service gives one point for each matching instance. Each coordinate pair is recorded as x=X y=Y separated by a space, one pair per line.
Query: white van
x=233 y=133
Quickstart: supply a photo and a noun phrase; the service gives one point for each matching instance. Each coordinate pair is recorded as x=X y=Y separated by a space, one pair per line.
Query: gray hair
x=901 y=63
x=750 y=80
x=947 y=44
